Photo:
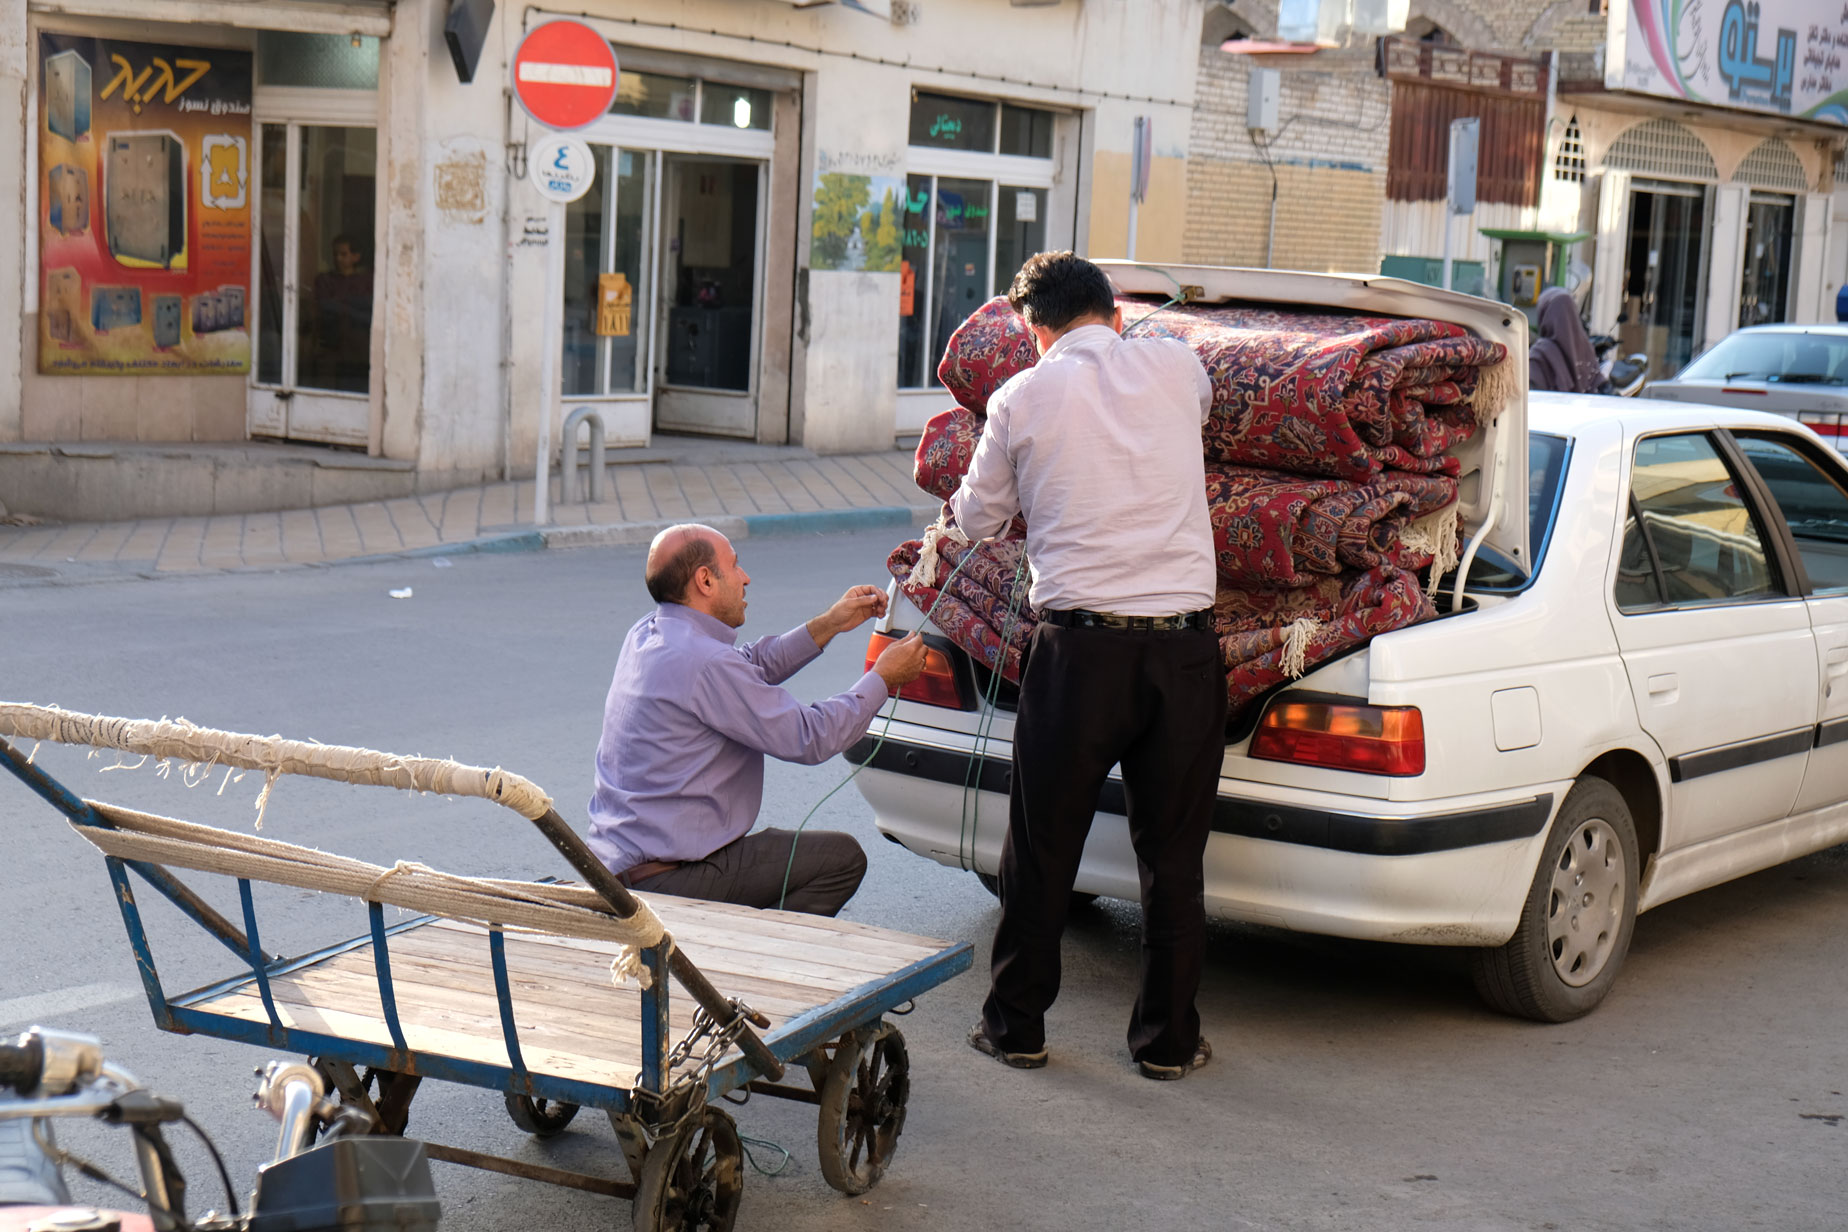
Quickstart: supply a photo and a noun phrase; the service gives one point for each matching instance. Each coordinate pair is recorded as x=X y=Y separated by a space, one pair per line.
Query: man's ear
x=1116 y=319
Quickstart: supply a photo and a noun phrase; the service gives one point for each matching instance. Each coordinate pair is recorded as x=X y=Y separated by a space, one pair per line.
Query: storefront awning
x=1592 y=94
x=367 y=17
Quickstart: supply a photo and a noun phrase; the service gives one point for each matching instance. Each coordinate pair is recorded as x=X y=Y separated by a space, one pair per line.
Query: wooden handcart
x=508 y=985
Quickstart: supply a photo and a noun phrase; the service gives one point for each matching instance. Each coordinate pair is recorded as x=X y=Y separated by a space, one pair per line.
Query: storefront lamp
x=741 y=113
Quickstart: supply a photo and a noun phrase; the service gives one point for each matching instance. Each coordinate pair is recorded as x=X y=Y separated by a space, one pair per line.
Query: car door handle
x=1837 y=660
x=1665 y=687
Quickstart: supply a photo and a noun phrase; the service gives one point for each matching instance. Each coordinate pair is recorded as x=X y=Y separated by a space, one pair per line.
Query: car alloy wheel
x=1585 y=907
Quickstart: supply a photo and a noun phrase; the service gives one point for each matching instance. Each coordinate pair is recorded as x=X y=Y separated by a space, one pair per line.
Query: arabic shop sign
x=1779 y=57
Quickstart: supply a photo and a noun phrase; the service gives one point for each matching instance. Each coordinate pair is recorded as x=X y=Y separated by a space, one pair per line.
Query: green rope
x=873 y=752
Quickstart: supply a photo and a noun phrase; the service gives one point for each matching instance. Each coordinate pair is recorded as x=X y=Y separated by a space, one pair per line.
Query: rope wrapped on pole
x=183 y=741
x=556 y=910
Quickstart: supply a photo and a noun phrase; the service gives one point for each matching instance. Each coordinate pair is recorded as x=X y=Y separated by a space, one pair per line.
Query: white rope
x=188 y=743
x=524 y=906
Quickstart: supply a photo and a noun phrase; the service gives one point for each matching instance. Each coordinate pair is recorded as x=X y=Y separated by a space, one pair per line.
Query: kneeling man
x=690 y=715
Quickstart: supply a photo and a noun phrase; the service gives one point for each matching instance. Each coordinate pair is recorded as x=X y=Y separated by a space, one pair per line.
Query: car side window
x=1811 y=498
x=1690 y=537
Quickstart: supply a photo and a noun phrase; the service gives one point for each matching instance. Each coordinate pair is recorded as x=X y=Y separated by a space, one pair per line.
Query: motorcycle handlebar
x=22 y=1064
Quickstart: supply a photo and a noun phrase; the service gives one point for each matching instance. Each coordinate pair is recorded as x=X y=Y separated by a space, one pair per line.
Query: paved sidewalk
x=789 y=491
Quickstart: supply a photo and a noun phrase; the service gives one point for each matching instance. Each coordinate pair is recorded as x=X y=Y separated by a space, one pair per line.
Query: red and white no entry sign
x=564 y=74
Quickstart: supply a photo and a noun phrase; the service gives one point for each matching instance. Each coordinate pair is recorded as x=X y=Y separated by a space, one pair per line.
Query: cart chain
x=684 y=1097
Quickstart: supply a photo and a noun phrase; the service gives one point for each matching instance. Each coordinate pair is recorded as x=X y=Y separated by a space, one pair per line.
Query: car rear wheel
x=1580 y=912
x=992 y=884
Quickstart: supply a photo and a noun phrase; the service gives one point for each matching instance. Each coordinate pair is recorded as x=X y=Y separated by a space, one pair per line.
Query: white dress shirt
x=1099 y=446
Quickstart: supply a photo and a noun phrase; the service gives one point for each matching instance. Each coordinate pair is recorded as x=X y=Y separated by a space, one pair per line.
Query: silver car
x=1799 y=371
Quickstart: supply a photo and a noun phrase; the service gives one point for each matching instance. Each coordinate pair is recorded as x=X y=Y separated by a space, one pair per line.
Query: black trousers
x=1090 y=699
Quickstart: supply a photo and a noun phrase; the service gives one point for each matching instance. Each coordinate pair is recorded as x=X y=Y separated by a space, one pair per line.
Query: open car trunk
x=1492 y=482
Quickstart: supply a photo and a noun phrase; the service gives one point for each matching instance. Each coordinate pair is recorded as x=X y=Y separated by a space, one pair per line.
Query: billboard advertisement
x=1780 y=57
x=144 y=208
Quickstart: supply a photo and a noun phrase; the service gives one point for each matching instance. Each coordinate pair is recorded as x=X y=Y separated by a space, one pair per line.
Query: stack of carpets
x=1329 y=478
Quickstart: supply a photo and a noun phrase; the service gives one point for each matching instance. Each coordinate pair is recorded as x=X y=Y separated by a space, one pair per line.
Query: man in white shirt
x=1099 y=446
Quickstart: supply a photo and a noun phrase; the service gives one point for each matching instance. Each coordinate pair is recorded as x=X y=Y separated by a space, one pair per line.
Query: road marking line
x=44 y=1007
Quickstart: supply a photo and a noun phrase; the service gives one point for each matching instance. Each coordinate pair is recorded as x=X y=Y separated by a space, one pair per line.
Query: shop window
x=963 y=236
x=315 y=232
x=1026 y=131
x=654 y=97
x=318 y=61
x=1569 y=159
x=735 y=106
x=1662 y=148
x=657 y=96
x=949 y=122
x=952 y=122
x=961 y=242
x=606 y=280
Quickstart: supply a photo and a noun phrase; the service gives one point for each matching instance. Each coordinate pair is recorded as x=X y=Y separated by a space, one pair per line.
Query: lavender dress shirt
x=690 y=715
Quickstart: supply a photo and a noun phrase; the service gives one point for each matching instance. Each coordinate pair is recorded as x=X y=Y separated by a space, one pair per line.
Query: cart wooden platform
x=535 y=1015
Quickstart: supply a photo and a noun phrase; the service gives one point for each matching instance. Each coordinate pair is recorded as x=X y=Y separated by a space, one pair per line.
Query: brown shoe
x=978 y=1040
x=1203 y=1052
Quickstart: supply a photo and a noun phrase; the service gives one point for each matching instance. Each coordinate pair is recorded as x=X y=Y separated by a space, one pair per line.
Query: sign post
x=1460 y=190
x=564 y=77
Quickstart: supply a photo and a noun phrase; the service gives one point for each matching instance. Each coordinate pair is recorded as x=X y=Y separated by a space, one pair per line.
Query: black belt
x=1079 y=618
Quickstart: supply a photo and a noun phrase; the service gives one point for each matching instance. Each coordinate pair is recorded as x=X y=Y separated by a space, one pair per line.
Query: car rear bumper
x=1444 y=872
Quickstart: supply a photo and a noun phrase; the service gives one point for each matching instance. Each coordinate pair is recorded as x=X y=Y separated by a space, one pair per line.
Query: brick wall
x=1329 y=153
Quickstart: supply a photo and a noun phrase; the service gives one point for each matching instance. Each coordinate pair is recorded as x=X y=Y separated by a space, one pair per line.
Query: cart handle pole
x=600 y=879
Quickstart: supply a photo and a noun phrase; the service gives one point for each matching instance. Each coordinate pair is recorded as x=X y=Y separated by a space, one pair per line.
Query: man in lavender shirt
x=690 y=716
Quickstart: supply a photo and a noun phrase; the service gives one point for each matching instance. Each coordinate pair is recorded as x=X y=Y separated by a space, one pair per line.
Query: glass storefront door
x=1665 y=269
x=314 y=297
x=712 y=233
x=1764 y=289
x=609 y=233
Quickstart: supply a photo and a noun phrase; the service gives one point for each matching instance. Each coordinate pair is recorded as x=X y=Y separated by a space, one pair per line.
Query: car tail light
x=941 y=683
x=1340 y=736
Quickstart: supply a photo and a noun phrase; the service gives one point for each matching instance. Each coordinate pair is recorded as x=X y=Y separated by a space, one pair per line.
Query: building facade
x=793 y=207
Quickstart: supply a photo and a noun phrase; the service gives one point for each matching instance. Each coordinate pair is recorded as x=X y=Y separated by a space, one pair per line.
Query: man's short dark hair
x=1053 y=289
x=668 y=584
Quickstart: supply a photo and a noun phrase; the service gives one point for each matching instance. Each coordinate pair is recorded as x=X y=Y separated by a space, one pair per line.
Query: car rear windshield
x=1546 y=469
x=1777 y=356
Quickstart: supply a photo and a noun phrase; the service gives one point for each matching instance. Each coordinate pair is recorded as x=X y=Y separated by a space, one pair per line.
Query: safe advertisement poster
x=144 y=208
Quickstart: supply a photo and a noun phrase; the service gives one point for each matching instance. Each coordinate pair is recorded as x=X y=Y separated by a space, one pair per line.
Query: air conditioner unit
x=63 y=303
x=70 y=199
x=114 y=308
x=67 y=95
x=166 y=320
x=145 y=197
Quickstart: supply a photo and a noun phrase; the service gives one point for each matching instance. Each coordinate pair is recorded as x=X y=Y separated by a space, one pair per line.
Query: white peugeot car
x=1647 y=710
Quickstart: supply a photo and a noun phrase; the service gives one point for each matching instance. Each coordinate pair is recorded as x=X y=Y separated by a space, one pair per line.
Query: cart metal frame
x=657 y=1122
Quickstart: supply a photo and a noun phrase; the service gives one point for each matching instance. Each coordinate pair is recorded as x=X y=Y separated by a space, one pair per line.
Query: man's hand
x=902 y=662
x=859 y=604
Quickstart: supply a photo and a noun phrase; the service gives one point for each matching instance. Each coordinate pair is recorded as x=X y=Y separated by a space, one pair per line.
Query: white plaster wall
x=401 y=301
x=861 y=123
x=462 y=190
x=13 y=213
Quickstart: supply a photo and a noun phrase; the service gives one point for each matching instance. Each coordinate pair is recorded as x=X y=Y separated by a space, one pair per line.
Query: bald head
x=678 y=553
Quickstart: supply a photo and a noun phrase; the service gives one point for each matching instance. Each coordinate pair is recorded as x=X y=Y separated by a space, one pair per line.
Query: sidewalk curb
x=756 y=525
x=507 y=541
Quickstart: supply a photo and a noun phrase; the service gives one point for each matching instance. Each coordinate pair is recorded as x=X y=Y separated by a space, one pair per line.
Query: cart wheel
x=693 y=1181
x=863 y=1107
x=542 y=1118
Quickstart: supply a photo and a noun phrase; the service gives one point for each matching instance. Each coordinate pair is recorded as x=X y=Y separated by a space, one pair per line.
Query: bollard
x=567 y=480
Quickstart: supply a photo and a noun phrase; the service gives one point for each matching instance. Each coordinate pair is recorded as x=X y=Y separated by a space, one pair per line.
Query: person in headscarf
x=1562 y=357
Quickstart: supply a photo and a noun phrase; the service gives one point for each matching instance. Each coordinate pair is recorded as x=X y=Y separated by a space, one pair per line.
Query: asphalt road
x=1356 y=1086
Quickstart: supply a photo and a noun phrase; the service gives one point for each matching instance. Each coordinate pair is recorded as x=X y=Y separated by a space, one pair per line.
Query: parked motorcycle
x=350 y=1181
x=1624 y=375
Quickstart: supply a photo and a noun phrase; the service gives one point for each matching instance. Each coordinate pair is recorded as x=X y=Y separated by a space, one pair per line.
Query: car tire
x=992 y=884
x=1579 y=915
